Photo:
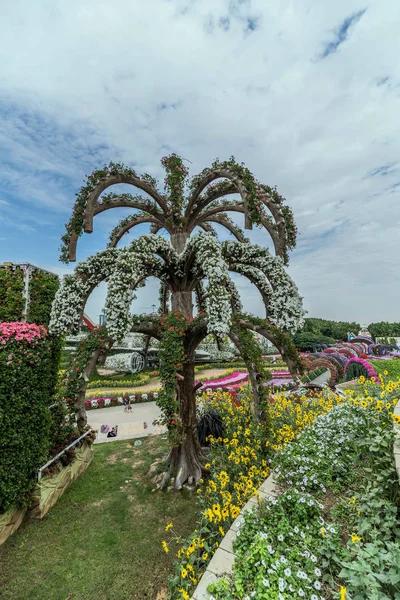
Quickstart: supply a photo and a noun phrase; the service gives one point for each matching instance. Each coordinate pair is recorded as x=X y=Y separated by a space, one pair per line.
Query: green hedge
x=42 y=289
x=26 y=388
x=11 y=294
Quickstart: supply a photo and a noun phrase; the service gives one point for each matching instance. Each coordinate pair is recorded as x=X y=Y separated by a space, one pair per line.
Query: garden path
x=323 y=378
x=130 y=424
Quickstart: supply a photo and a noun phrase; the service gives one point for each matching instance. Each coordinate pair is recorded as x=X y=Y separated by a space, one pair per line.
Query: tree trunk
x=252 y=377
x=185 y=458
x=182 y=302
x=81 y=416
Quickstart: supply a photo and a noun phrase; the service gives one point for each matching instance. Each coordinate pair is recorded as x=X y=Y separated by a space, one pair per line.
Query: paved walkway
x=130 y=424
x=323 y=378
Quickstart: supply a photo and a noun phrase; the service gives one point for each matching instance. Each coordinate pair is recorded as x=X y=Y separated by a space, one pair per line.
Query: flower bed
x=332 y=533
x=239 y=463
x=140 y=379
x=236 y=378
x=106 y=402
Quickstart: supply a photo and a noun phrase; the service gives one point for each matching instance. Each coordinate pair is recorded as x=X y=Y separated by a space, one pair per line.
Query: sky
x=306 y=93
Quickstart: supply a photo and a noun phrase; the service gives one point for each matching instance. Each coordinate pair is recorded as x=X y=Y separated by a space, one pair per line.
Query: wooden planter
x=10 y=521
x=51 y=487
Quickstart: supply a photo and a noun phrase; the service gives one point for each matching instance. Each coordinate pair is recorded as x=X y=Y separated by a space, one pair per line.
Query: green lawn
x=102 y=541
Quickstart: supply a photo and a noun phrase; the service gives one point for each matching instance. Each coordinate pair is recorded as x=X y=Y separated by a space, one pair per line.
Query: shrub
x=26 y=387
x=210 y=423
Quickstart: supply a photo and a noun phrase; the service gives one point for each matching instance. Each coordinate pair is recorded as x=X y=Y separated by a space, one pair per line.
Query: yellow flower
x=184 y=593
x=216 y=509
x=342 y=593
x=165 y=546
x=205 y=556
x=184 y=573
x=385 y=372
x=168 y=527
x=323 y=531
x=355 y=538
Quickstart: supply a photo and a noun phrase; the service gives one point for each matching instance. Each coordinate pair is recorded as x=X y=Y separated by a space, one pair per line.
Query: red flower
x=173 y=422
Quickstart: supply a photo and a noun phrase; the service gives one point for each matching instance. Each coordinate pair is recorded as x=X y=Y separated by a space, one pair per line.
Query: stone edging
x=223 y=559
x=396 y=445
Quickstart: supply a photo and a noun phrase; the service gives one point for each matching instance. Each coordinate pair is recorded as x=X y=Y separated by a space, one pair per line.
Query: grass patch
x=102 y=541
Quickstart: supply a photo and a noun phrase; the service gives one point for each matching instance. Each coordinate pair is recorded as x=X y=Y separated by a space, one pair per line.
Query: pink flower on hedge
x=21 y=332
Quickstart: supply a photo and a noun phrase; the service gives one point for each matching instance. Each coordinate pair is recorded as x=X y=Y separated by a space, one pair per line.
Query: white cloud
x=85 y=81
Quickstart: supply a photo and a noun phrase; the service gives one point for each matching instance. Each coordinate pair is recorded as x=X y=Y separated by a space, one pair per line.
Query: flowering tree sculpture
x=191 y=262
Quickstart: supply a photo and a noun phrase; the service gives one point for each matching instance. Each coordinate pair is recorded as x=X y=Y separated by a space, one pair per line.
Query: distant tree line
x=325 y=331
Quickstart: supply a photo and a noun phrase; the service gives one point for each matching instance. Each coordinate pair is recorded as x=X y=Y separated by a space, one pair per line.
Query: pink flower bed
x=280 y=375
x=235 y=379
x=21 y=331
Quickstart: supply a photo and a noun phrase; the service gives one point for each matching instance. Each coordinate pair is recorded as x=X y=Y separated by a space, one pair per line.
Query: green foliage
x=384 y=329
x=172 y=357
x=280 y=338
x=176 y=173
x=11 y=294
x=371 y=570
x=333 y=329
x=306 y=341
x=392 y=368
x=26 y=387
x=73 y=382
x=136 y=380
x=42 y=289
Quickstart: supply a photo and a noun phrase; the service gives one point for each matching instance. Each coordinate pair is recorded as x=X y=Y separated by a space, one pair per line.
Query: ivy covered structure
x=184 y=252
x=29 y=359
x=26 y=293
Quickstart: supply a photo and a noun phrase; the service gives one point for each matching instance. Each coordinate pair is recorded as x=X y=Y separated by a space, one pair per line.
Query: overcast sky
x=306 y=93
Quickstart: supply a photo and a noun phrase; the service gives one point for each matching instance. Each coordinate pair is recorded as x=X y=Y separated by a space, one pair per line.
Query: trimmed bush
x=26 y=388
